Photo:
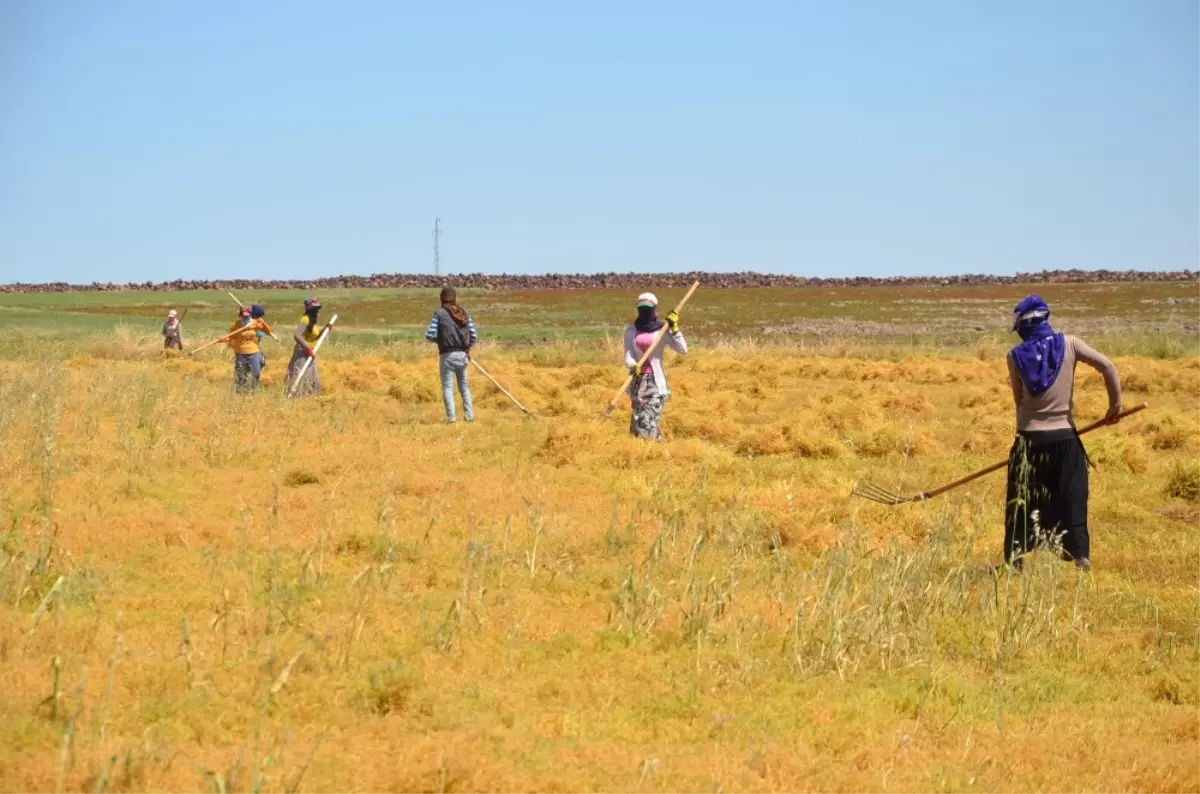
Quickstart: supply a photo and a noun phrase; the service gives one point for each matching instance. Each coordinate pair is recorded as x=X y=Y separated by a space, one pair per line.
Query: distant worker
x=454 y=332
x=306 y=335
x=648 y=390
x=258 y=312
x=247 y=363
x=1048 y=467
x=172 y=332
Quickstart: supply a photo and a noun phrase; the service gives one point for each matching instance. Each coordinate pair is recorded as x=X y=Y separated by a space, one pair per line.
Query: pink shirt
x=634 y=348
x=643 y=341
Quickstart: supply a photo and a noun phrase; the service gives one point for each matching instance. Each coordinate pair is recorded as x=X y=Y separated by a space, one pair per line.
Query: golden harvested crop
x=200 y=591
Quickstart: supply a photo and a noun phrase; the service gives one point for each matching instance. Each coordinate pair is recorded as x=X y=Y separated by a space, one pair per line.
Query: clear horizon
x=619 y=273
x=148 y=141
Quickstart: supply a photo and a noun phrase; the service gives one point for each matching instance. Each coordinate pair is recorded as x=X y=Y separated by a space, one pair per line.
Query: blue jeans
x=453 y=367
x=247 y=370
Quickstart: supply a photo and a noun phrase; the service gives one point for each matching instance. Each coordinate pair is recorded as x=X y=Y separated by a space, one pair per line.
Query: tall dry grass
x=206 y=592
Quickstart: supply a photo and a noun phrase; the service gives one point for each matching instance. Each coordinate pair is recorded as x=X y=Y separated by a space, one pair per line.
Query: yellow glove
x=673 y=322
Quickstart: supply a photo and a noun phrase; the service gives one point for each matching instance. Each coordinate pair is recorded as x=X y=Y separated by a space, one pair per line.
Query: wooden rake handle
x=242 y=305
x=507 y=394
x=662 y=332
x=227 y=337
x=308 y=361
x=1000 y=465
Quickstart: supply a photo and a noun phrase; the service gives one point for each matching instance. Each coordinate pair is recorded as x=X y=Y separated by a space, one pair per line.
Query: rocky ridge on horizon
x=611 y=281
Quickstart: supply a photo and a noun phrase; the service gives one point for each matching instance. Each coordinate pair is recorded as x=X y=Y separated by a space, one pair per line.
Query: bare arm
x=1014 y=380
x=1107 y=369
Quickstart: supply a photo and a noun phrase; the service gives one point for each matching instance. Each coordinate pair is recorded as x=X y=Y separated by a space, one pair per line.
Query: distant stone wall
x=615 y=281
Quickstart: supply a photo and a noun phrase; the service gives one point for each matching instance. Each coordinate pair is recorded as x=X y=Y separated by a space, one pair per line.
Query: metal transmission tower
x=437 y=237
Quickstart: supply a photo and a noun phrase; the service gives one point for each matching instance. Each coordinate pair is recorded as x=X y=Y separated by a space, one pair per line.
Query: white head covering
x=648 y=297
x=172 y=314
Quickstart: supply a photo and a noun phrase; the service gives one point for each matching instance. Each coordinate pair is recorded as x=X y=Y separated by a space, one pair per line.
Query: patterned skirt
x=311 y=384
x=647 y=408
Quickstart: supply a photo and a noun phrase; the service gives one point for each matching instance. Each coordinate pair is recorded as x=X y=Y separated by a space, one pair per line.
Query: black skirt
x=1047 y=494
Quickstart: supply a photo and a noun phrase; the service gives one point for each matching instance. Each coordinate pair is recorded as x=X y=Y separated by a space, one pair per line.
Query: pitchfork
x=876 y=493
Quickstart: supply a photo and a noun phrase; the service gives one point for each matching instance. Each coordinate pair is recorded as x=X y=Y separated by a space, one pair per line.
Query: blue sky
x=150 y=140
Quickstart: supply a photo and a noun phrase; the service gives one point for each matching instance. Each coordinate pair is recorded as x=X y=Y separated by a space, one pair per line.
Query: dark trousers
x=1047 y=476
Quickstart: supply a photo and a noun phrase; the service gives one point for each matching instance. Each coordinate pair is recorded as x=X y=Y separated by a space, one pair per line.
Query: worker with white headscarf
x=172 y=332
x=648 y=389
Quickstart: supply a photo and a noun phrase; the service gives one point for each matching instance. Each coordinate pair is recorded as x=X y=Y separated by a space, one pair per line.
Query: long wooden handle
x=196 y=350
x=1003 y=463
x=662 y=332
x=516 y=402
x=244 y=306
x=308 y=361
x=225 y=338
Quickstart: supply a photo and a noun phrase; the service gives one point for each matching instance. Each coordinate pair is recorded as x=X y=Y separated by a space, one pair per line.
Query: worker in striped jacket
x=454 y=332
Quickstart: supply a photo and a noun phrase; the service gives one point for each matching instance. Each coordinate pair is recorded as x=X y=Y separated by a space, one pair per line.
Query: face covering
x=647 y=320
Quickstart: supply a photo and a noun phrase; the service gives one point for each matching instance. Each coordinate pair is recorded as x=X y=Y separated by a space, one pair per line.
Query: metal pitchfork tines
x=868 y=490
x=877 y=493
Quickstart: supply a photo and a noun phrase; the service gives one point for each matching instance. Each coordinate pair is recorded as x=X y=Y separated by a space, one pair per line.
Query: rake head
x=875 y=493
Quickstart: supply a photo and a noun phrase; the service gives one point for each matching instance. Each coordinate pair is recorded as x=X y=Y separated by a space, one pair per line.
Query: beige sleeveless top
x=1054 y=409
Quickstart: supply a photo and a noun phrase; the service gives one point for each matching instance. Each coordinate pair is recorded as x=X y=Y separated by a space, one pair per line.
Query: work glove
x=633 y=371
x=308 y=351
x=673 y=322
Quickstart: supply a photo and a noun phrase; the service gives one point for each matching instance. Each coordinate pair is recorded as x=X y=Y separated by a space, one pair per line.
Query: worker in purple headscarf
x=1048 y=466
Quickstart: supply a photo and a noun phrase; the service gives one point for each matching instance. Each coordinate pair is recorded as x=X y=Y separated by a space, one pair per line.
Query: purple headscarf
x=1039 y=357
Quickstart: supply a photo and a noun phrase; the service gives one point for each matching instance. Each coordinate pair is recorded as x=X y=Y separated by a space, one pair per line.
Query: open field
x=927 y=316
x=206 y=592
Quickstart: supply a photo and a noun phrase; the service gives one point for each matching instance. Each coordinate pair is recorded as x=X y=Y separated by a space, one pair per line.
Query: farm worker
x=247 y=362
x=172 y=332
x=306 y=335
x=1048 y=466
x=258 y=312
x=648 y=389
x=454 y=332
